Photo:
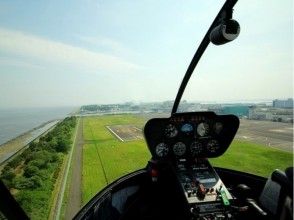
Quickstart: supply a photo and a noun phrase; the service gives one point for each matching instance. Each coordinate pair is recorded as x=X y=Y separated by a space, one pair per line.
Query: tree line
x=31 y=175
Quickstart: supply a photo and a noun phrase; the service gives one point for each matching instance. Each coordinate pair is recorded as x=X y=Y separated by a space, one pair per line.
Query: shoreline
x=26 y=132
x=15 y=145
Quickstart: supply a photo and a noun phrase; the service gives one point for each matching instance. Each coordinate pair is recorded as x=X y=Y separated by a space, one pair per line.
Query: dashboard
x=190 y=135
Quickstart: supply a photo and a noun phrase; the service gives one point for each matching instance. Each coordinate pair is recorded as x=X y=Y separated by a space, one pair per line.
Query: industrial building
x=279 y=103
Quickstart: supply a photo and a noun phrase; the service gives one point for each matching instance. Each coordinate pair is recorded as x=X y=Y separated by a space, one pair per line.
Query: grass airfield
x=106 y=158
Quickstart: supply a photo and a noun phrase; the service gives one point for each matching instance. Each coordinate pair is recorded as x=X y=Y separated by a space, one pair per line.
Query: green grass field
x=119 y=158
x=253 y=158
x=93 y=177
x=102 y=148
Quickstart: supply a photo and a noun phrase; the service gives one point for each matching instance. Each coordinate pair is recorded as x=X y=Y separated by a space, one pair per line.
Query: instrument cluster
x=190 y=135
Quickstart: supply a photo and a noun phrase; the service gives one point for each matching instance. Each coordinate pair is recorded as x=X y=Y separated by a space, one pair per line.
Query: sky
x=71 y=53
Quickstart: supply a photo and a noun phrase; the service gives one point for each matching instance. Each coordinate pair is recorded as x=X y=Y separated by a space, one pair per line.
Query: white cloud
x=104 y=42
x=57 y=53
x=18 y=63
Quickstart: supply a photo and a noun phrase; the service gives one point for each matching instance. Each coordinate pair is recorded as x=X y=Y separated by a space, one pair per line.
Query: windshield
x=78 y=81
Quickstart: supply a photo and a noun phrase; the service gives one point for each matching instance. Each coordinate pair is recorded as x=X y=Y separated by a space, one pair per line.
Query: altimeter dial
x=161 y=150
x=179 y=149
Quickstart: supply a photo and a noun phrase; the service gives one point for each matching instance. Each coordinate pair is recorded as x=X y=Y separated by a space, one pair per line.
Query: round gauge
x=212 y=146
x=179 y=149
x=218 y=127
x=203 y=129
x=187 y=128
x=196 y=148
x=170 y=131
x=161 y=150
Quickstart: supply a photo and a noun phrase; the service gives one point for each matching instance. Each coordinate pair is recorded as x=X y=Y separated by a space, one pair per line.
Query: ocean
x=14 y=122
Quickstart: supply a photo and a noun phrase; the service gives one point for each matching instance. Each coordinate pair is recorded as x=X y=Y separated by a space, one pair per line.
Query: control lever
x=252 y=203
x=243 y=192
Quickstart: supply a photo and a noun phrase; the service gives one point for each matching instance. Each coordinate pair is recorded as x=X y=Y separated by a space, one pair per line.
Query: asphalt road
x=75 y=188
x=272 y=134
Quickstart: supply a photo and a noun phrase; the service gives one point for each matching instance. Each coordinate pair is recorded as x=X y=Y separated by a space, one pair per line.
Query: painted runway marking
x=137 y=128
x=125 y=132
x=278 y=130
x=116 y=135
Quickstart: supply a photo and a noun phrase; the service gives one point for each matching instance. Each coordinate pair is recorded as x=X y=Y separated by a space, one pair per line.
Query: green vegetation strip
x=119 y=158
x=31 y=175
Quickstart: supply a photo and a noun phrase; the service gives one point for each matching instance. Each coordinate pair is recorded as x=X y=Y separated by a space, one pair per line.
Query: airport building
x=271 y=114
x=279 y=103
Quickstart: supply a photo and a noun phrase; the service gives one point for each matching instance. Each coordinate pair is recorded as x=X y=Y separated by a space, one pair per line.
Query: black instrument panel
x=190 y=135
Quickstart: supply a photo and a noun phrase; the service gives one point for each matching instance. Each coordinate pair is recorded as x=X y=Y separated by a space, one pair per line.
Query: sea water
x=14 y=122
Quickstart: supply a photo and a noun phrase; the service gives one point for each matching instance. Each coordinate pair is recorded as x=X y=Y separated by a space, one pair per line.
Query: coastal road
x=75 y=181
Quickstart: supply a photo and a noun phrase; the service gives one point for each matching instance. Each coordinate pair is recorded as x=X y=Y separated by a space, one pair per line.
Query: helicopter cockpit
x=179 y=182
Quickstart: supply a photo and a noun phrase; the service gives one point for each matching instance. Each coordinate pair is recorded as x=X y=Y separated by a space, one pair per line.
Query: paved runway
x=272 y=134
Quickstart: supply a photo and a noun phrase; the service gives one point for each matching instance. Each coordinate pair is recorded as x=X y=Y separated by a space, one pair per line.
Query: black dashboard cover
x=218 y=130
